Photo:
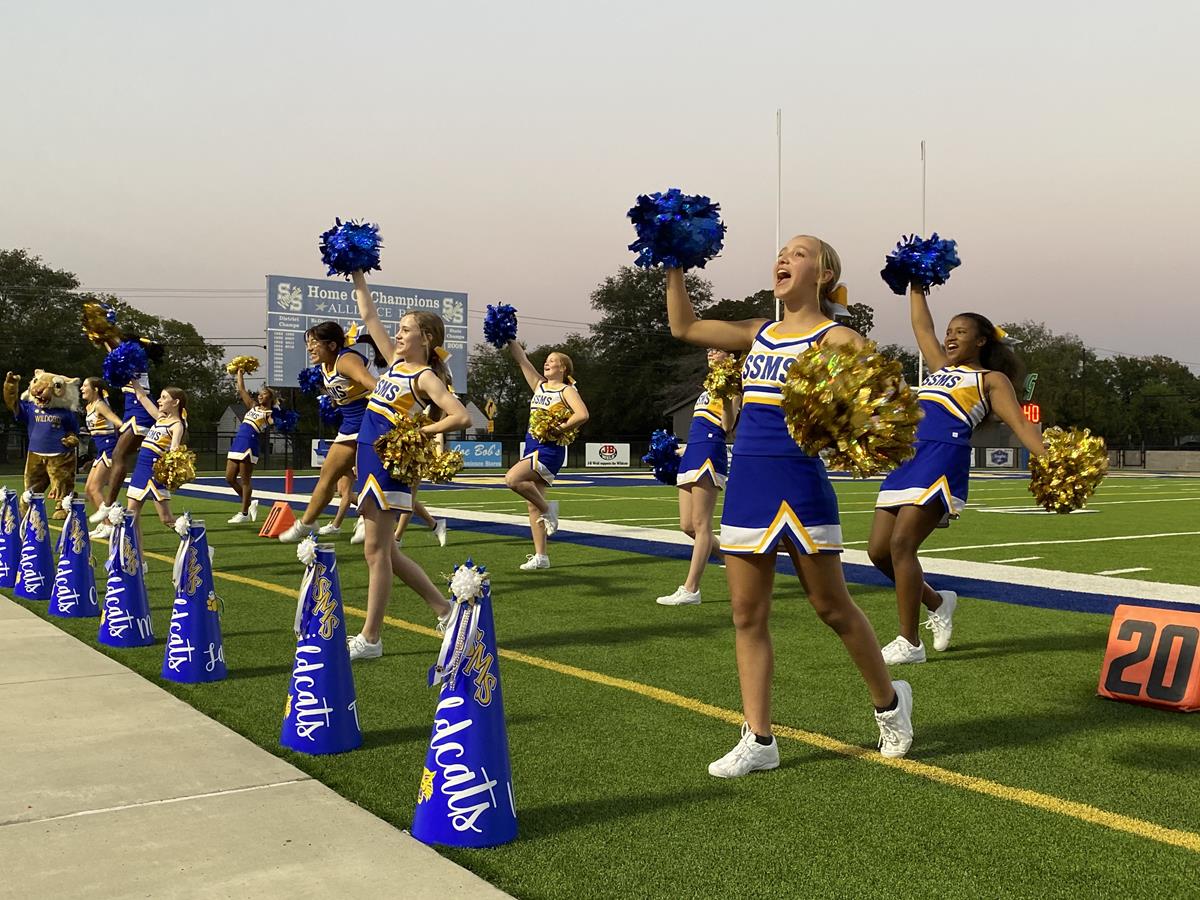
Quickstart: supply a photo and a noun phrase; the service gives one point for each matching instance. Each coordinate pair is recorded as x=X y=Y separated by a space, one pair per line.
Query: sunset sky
x=177 y=155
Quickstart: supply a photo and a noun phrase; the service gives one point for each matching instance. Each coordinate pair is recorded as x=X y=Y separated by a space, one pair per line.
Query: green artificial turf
x=612 y=791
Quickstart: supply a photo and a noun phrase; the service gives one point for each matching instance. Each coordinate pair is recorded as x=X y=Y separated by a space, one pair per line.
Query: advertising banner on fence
x=607 y=456
x=296 y=304
x=1000 y=457
x=479 y=454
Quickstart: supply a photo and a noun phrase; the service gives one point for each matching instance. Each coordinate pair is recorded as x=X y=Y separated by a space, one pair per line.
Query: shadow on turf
x=1047 y=642
x=616 y=635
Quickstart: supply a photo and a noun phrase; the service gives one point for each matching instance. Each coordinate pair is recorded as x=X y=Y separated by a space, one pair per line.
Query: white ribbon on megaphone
x=306 y=553
x=183 y=528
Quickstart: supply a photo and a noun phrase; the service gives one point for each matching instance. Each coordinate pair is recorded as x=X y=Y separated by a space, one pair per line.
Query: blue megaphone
x=10 y=541
x=321 y=715
x=195 y=652
x=125 y=612
x=74 y=592
x=465 y=798
x=35 y=566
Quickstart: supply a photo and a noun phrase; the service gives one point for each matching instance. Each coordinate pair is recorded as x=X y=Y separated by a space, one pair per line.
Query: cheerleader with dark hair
x=102 y=425
x=973 y=373
x=246 y=446
x=137 y=420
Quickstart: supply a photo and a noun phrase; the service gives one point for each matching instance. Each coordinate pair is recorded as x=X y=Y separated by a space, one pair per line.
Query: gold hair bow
x=1002 y=336
x=442 y=353
x=352 y=331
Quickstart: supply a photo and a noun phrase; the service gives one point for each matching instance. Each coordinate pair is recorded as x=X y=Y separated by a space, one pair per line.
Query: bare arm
x=106 y=411
x=1004 y=404
x=731 y=336
x=579 y=410
x=370 y=317
x=729 y=411
x=147 y=404
x=532 y=376
x=922 y=326
x=176 y=435
x=352 y=366
x=843 y=336
x=454 y=414
x=242 y=392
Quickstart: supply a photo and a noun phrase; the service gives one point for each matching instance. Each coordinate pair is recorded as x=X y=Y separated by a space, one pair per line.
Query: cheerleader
x=136 y=424
x=348 y=382
x=245 y=447
x=102 y=424
x=535 y=471
x=414 y=380
x=167 y=433
x=972 y=373
x=702 y=470
x=780 y=496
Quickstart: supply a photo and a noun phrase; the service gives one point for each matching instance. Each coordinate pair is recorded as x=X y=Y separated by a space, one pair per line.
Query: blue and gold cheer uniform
x=705 y=453
x=954 y=402
x=546 y=458
x=775 y=489
x=348 y=396
x=394 y=397
x=156 y=442
x=247 y=443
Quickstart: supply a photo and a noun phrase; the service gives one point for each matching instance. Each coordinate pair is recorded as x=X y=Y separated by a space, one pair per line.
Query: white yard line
x=1123 y=571
x=1025 y=559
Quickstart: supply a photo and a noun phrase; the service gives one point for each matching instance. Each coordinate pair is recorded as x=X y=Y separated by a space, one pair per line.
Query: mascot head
x=53 y=391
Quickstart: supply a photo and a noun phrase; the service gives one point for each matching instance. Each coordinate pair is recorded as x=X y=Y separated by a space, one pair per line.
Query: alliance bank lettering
x=409 y=301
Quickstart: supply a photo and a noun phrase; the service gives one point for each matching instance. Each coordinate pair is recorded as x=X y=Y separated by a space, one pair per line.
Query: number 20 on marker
x=1153 y=657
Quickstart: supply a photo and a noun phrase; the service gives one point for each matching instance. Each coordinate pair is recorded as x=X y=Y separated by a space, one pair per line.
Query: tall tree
x=860 y=317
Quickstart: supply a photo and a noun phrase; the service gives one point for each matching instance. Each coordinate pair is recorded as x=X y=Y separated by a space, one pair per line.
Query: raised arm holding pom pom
x=415 y=378
x=168 y=432
x=779 y=496
x=246 y=446
x=972 y=373
x=556 y=399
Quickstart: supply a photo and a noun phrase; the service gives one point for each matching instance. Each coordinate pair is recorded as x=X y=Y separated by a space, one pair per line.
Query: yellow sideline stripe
x=1046 y=802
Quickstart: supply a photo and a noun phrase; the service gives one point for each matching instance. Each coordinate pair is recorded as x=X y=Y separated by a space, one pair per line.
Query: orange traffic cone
x=278 y=521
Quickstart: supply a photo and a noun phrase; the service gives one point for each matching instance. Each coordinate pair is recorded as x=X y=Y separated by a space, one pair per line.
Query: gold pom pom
x=244 y=364
x=96 y=326
x=1073 y=466
x=405 y=450
x=546 y=425
x=442 y=466
x=724 y=379
x=854 y=404
x=175 y=468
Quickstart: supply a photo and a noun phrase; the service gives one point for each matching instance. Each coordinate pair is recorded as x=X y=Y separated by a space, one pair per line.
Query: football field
x=1021 y=782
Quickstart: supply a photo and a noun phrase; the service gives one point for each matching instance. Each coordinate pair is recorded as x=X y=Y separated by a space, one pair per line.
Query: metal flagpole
x=920 y=355
x=778 y=193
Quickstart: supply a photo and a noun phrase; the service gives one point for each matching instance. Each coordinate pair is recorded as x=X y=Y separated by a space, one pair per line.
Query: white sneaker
x=329 y=528
x=940 y=620
x=253 y=511
x=748 y=756
x=439 y=531
x=681 y=597
x=296 y=532
x=99 y=515
x=239 y=519
x=360 y=531
x=361 y=648
x=103 y=530
x=895 y=725
x=550 y=519
x=901 y=651
x=535 y=561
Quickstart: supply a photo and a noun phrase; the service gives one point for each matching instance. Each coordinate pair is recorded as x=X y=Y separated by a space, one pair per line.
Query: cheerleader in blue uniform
x=702 y=470
x=348 y=382
x=167 y=433
x=972 y=373
x=535 y=471
x=415 y=379
x=246 y=446
x=102 y=424
x=136 y=424
x=779 y=496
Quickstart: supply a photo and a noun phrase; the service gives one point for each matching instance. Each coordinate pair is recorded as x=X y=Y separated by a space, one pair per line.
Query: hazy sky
x=149 y=146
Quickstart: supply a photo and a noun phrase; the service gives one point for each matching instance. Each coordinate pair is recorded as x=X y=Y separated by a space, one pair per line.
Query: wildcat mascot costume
x=50 y=412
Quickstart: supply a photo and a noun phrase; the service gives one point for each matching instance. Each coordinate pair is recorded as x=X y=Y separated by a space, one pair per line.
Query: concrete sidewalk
x=111 y=787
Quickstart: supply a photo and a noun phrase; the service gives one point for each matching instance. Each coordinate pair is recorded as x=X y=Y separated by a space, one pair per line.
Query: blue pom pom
x=284 y=419
x=350 y=247
x=330 y=414
x=676 y=230
x=662 y=456
x=125 y=362
x=500 y=325
x=109 y=313
x=920 y=263
x=310 y=380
